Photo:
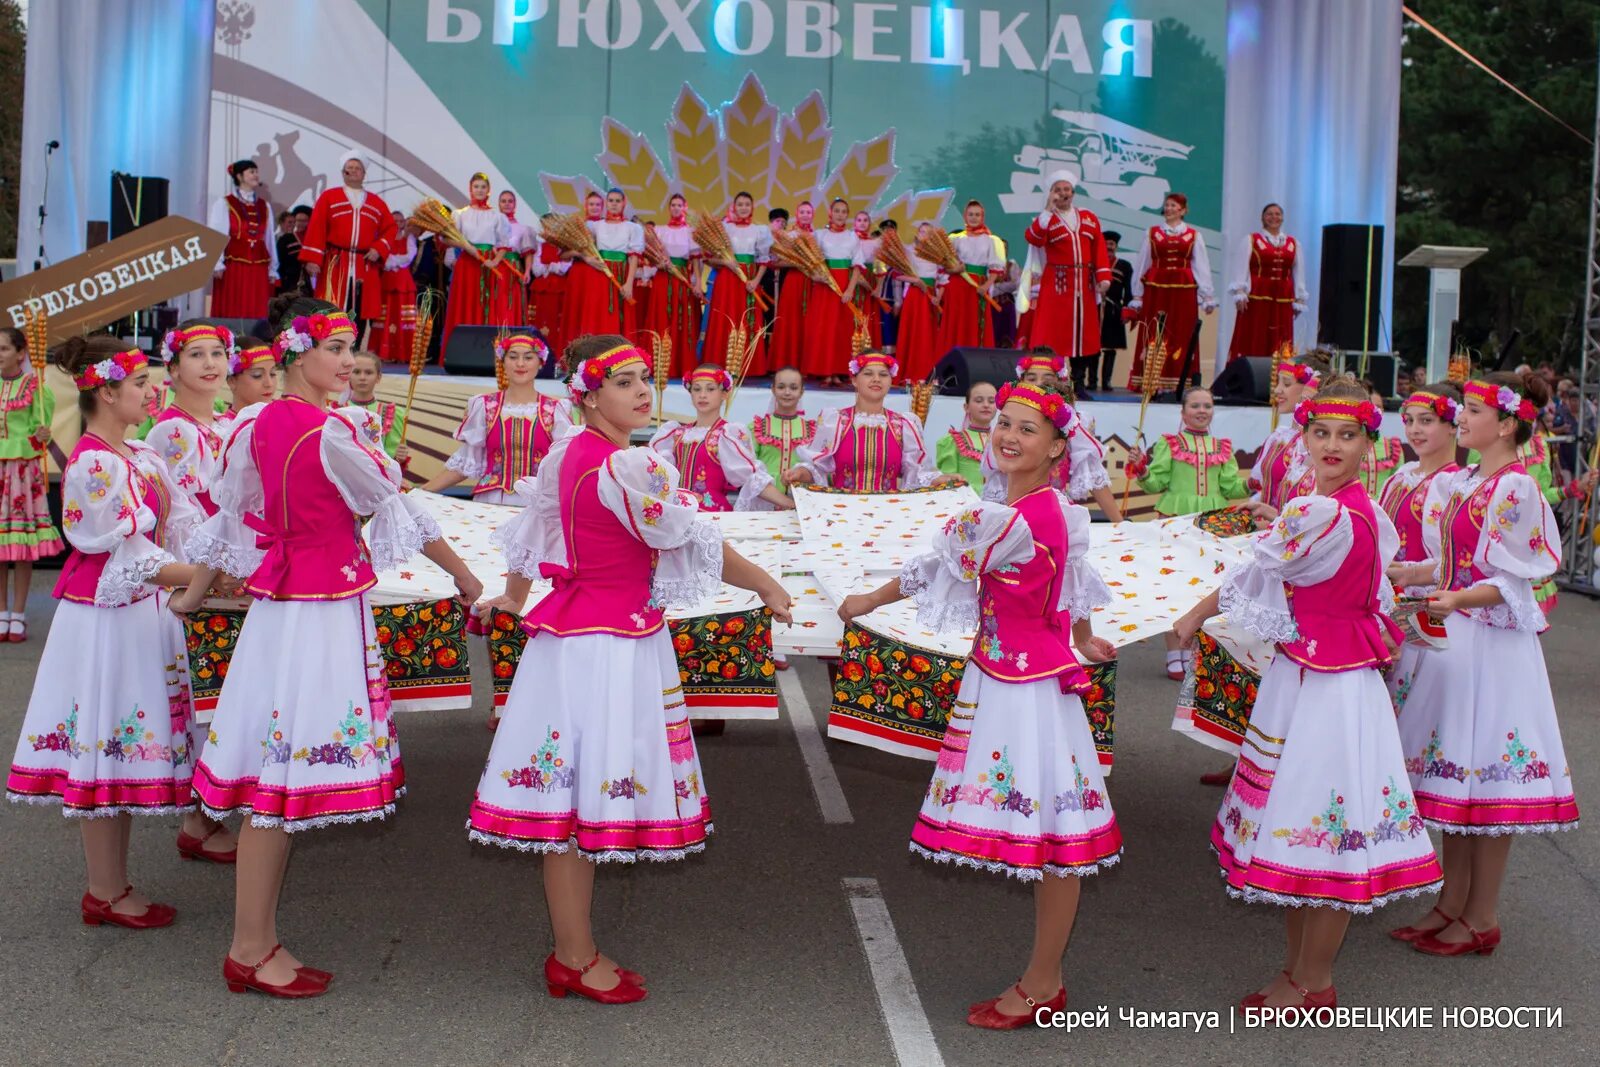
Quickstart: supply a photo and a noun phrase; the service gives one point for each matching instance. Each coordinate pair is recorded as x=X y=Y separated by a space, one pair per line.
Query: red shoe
x=240 y=978
x=1256 y=1000
x=316 y=974
x=988 y=1015
x=1217 y=778
x=1309 y=1001
x=97 y=911
x=191 y=847
x=781 y=664
x=1482 y=942
x=561 y=980
x=15 y=634
x=1409 y=934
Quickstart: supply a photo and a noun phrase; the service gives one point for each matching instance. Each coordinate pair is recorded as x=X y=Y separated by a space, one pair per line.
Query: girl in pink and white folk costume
x=302 y=737
x=714 y=457
x=1067 y=252
x=866 y=448
x=27 y=533
x=1477 y=718
x=1282 y=458
x=1172 y=276
x=1017 y=789
x=106 y=733
x=1081 y=472
x=594 y=762
x=505 y=435
x=1269 y=289
x=1319 y=816
x=247 y=273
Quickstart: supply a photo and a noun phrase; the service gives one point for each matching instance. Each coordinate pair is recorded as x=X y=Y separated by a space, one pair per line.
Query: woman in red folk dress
x=1067 y=253
x=392 y=340
x=968 y=319
x=917 y=344
x=1269 y=289
x=519 y=254
x=548 y=290
x=867 y=301
x=600 y=291
x=1173 y=277
x=733 y=302
x=830 y=319
x=475 y=271
x=247 y=273
x=350 y=234
x=677 y=302
x=794 y=299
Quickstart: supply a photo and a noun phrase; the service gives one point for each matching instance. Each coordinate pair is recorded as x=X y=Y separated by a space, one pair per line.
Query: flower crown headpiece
x=1504 y=399
x=111 y=370
x=719 y=375
x=874 y=359
x=306 y=331
x=1442 y=406
x=502 y=345
x=1302 y=374
x=1052 y=406
x=244 y=359
x=1054 y=364
x=593 y=372
x=175 y=339
x=1364 y=413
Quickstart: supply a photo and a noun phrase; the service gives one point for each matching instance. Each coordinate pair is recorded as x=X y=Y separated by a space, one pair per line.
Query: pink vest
x=1459 y=529
x=1021 y=636
x=605 y=586
x=80 y=574
x=866 y=459
x=209 y=439
x=700 y=470
x=1404 y=507
x=1340 y=624
x=1277 y=468
x=514 y=446
x=313 y=543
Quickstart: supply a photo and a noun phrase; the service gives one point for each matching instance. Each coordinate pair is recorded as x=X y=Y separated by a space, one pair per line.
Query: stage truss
x=1578 y=571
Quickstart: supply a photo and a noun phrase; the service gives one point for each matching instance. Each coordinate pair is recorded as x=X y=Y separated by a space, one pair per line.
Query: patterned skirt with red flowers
x=26 y=532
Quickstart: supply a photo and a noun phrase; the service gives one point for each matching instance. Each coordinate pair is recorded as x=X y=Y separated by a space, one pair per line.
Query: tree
x=13 y=49
x=1481 y=167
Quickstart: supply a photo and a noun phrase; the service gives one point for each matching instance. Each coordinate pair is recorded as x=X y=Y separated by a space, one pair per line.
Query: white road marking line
x=824 y=781
x=891 y=977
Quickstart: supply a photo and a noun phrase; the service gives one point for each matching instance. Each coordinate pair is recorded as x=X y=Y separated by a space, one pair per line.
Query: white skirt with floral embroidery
x=107 y=727
x=1319 y=812
x=594 y=752
x=1017 y=788
x=302 y=736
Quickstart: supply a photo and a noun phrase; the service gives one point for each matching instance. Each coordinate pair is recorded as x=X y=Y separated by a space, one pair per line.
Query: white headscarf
x=1034 y=265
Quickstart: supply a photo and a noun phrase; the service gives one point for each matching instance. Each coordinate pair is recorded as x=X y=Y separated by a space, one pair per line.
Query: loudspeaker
x=1382 y=369
x=1350 y=295
x=471 y=350
x=959 y=368
x=257 y=328
x=1247 y=380
x=136 y=202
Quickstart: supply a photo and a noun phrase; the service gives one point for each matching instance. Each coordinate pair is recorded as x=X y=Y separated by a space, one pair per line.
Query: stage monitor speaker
x=960 y=367
x=1382 y=370
x=1350 y=296
x=1247 y=380
x=471 y=350
x=136 y=202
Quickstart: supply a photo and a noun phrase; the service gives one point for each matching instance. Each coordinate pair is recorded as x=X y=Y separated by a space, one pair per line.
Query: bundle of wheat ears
x=935 y=247
x=36 y=333
x=431 y=216
x=800 y=251
x=660 y=366
x=656 y=254
x=712 y=237
x=570 y=233
x=1282 y=355
x=921 y=399
x=892 y=254
x=427 y=312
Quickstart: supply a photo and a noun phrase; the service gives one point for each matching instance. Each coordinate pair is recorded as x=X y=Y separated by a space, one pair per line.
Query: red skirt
x=1181 y=304
x=673 y=311
x=471 y=301
x=825 y=338
x=546 y=297
x=508 y=295
x=1263 y=327
x=792 y=322
x=967 y=322
x=242 y=292
x=392 y=340
x=593 y=305
x=917 y=343
x=730 y=304
x=1024 y=329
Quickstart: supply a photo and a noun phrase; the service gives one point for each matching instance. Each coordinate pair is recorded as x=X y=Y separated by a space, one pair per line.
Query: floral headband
x=719 y=375
x=1053 y=364
x=1052 y=406
x=1302 y=374
x=244 y=359
x=306 y=331
x=111 y=370
x=593 y=372
x=502 y=345
x=1442 y=406
x=1504 y=399
x=1363 y=413
x=874 y=359
x=175 y=339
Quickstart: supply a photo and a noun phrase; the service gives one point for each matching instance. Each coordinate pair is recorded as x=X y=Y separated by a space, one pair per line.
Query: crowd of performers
x=1079 y=297
x=294 y=499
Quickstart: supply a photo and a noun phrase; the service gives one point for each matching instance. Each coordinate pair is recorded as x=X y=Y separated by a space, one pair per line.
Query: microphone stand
x=44 y=196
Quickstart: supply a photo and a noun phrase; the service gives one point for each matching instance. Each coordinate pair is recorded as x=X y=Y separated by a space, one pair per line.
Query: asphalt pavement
x=805 y=935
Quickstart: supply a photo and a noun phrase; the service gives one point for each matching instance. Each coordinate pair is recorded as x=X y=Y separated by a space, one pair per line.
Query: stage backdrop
x=906 y=109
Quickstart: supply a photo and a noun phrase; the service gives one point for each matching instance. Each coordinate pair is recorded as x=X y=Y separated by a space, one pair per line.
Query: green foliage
x=13 y=48
x=1481 y=167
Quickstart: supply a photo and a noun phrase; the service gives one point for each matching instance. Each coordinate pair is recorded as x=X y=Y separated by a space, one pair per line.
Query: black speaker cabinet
x=136 y=202
x=1350 y=295
x=1247 y=380
x=959 y=368
x=471 y=350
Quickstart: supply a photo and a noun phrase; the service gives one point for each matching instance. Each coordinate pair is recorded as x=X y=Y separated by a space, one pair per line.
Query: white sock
x=1175 y=657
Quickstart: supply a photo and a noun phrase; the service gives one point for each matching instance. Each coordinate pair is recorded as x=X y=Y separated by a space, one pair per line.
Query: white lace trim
x=699 y=572
x=1520 y=610
x=98 y=813
x=1083 y=591
x=1087 y=477
x=1386 y=598
x=957 y=617
x=290 y=826
x=916 y=576
x=750 y=492
x=124 y=581
x=1501 y=831
x=1022 y=874
x=402 y=536
x=468 y=460
x=610 y=855
x=994 y=488
x=1288 y=900
x=1275 y=627
x=212 y=551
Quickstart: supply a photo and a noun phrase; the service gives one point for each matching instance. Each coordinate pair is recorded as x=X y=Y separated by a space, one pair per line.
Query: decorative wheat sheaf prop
x=660 y=365
x=431 y=216
x=800 y=251
x=1460 y=368
x=1280 y=356
x=36 y=333
x=892 y=253
x=742 y=343
x=921 y=399
x=656 y=254
x=427 y=312
x=1149 y=385
x=935 y=247
x=570 y=233
x=712 y=237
